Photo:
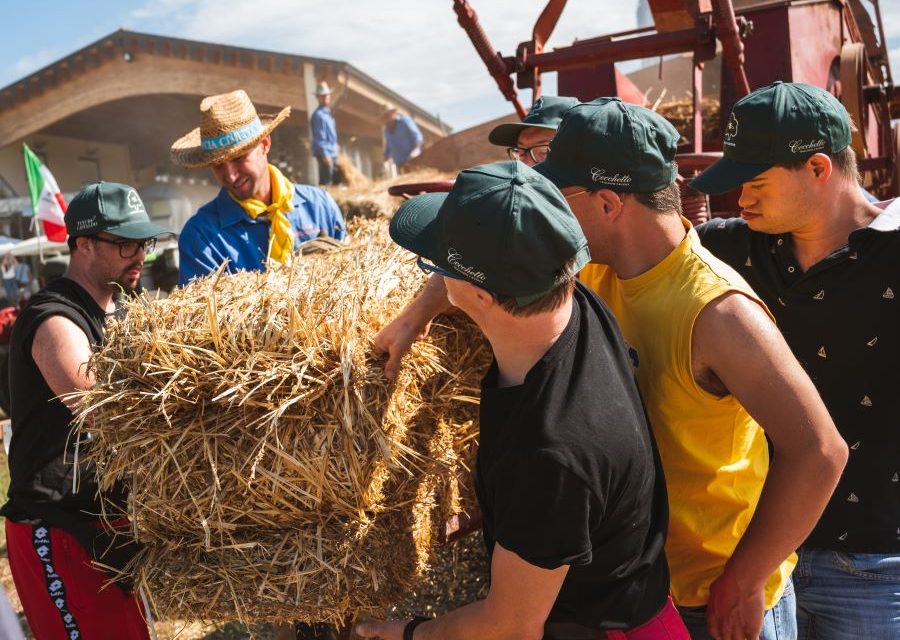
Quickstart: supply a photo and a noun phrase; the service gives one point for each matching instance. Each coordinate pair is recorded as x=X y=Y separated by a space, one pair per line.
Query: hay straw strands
x=274 y=475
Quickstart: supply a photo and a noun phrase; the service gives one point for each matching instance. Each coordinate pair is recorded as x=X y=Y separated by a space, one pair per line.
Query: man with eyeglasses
x=53 y=527
x=529 y=140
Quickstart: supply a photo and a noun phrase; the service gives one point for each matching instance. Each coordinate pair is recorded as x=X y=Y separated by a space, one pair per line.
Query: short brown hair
x=844 y=161
x=550 y=301
x=666 y=199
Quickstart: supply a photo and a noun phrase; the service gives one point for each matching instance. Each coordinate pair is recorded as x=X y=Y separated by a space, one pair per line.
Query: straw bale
x=680 y=112
x=274 y=474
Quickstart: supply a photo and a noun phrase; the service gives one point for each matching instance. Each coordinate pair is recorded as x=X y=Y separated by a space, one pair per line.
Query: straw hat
x=229 y=126
x=322 y=89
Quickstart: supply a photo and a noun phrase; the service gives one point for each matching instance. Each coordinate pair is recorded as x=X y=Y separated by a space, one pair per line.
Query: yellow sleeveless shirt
x=714 y=455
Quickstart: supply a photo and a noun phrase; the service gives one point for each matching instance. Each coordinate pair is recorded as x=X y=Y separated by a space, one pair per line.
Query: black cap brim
x=413 y=227
x=507 y=135
x=726 y=174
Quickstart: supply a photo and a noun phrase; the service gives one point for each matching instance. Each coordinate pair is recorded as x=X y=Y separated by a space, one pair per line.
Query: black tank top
x=41 y=453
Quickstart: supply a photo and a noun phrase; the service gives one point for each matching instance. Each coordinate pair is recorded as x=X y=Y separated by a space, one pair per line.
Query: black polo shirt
x=568 y=474
x=841 y=318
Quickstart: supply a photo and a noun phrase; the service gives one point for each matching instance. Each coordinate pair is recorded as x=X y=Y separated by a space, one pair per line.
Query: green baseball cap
x=778 y=124
x=502 y=227
x=545 y=113
x=110 y=207
x=610 y=144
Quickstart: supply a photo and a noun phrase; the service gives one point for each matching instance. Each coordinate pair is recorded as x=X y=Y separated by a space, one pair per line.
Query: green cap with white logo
x=110 y=207
x=545 y=113
x=502 y=227
x=778 y=124
x=610 y=144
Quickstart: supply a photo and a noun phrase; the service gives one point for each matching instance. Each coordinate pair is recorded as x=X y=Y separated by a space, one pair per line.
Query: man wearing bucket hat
x=53 y=530
x=529 y=140
x=324 y=136
x=568 y=479
x=259 y=215
x=826 y=261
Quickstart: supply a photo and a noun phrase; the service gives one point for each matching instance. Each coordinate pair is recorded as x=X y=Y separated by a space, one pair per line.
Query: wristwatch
x=410 y=627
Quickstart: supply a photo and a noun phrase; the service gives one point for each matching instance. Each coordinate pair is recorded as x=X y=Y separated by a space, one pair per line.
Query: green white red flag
x=46 y=198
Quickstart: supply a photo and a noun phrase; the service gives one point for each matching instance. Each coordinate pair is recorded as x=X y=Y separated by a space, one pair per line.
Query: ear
x=821 y=166
x=265 y=144
x=483 y=299
x=608 y=202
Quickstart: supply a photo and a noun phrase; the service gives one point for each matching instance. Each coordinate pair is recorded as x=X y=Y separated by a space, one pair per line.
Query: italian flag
x=46 y=199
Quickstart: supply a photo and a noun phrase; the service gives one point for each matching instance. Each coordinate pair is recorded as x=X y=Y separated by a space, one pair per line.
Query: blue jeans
x=779 y=623
x=847 y=596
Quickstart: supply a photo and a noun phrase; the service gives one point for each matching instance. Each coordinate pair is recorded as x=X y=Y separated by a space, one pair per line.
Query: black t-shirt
x=568 y=473
x=841 y=319
x=41 y=453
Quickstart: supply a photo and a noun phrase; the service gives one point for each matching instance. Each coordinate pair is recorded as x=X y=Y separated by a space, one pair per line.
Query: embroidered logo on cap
x=454 y=258
x=799 y=146
x=134 y=203
x=600 y=175
x=731 y=130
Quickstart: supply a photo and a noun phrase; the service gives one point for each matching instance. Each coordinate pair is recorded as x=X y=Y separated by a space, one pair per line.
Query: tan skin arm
x=412 y=323
x=516 y=607
x=738 y=349
x=60 y=350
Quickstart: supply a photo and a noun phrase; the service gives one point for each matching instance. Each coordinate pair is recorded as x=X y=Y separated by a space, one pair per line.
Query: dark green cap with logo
x=545 y=113
x=110 y=207
x=502 y=227
x=610 y=144
x=778 y=124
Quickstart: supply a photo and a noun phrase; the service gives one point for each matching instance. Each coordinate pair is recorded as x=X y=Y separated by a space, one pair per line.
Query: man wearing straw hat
x=324 y=136
x=258 y=215
x=53 y=527
x=529 y=140
x=568 y=478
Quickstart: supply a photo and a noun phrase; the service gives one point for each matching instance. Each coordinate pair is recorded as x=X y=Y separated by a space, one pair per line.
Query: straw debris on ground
x=274 y=474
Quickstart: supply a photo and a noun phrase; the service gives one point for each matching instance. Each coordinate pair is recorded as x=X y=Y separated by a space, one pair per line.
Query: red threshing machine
x=832 y=44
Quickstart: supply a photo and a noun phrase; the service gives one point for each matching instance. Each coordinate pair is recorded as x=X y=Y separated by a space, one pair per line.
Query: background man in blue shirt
x=402 y=138
x=324 y=136
x=258 y=215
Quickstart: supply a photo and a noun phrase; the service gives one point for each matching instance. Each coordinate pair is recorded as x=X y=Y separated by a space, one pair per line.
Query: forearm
x=430 y=303
x=795 y=493
x=473 y=621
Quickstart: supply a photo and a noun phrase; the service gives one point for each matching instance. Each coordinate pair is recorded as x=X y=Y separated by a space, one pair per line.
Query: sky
x=415 y=47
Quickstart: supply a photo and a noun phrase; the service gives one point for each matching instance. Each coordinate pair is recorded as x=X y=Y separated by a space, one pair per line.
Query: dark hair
x=666 y=199
x=72 y=242
x=844 y=161
x=550 y=301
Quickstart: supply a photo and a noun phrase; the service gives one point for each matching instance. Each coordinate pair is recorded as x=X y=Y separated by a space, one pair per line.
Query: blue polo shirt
x=324 y=133
x=400 y=141
x=221 y=230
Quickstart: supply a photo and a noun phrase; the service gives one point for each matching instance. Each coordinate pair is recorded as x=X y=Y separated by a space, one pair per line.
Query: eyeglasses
x=538 y=153
x=130 y=248
x=429 y=268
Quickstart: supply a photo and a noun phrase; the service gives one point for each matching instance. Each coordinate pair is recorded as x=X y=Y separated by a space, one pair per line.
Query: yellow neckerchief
x=281 y=233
